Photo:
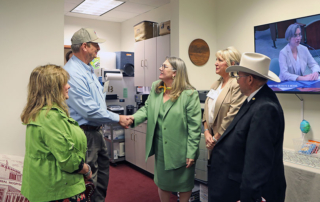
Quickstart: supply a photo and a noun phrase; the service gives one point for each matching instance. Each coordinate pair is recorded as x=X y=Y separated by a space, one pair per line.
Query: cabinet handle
x=145 y=61
x=141 y=63
x=134 y=137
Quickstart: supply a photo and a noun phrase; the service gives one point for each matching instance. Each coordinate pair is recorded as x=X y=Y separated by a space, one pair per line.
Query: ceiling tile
x=74 y=1
x=105 y=18
x=69 y=6
x=79 y=15
x=155 y=3
x=134 y=8
x=120 y=14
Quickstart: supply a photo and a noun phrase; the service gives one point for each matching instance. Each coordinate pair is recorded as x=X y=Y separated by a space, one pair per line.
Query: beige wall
x=234 y=26
x=164 y=13
x=111 y=31
x=31 y=35
x=197 y=20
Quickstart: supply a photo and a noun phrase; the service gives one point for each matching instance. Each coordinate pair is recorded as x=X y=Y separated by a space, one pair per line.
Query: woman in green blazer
x=173 y=130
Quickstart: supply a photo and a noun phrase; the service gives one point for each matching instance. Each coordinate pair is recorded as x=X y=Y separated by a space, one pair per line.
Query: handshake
x=126 y=121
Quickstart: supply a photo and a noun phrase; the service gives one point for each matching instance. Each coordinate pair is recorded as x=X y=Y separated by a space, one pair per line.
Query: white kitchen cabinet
x=148 y=57
x=145 y=58
x=139 y=63
x=129 y=146
x=140 y=149
x=135 y=148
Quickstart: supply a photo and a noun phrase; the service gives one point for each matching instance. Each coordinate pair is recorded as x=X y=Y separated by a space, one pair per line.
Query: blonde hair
x=181 y=80
x=230 y=55
x=45 y=88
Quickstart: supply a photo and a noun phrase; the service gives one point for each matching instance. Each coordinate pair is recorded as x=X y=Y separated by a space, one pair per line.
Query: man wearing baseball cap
x=246 y=162
x=88 y=107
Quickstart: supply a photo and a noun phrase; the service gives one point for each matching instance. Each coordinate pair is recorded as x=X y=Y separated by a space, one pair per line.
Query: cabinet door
x=150 y=164
x=139 y=63
x=129 y=146
x=140 y=149
x=163 y=50
x=150 y=61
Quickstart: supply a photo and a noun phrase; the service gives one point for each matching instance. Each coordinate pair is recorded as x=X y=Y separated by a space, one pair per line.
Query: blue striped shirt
x=86 y=98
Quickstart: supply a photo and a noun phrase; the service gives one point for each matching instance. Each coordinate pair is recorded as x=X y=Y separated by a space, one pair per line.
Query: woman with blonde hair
x=173 y=130
x=54 y=167
x=224 y=98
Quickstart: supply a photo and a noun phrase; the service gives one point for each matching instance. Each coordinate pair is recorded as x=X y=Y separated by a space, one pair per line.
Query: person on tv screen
x=295 y=58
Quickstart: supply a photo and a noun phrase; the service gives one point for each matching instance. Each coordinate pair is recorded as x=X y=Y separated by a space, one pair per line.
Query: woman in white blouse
x=224 y=99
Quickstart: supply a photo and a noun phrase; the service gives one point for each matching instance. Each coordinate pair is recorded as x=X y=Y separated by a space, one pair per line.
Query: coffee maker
x=140 y=99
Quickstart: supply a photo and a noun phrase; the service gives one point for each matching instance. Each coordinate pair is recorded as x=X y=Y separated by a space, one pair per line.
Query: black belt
x=88 y=127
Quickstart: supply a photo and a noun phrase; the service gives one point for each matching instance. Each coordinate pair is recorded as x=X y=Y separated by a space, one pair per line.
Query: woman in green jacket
x=54 y=167
x=174 y=129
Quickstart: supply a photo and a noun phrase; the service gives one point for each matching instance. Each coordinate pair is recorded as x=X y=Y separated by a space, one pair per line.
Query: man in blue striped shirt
x=88 y=107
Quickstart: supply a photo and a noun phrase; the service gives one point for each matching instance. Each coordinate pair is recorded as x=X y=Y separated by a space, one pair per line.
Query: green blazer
x=181 y=129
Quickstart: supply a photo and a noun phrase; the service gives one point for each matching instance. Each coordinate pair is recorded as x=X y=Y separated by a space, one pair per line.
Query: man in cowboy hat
x=246 y=162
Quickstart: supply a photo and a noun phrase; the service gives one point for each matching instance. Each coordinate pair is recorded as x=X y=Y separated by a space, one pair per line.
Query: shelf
x=117 y=140
x=117 y=160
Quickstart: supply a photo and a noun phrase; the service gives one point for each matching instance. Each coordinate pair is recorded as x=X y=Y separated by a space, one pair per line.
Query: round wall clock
x=199 y=52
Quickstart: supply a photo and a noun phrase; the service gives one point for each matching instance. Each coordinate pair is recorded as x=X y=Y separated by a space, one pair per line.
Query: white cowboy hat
x=256 y=64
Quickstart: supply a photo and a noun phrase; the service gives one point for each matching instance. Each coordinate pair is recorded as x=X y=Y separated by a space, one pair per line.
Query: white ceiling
x=129 y=9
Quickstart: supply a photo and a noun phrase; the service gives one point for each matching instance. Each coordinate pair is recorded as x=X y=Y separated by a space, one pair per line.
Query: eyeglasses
x=297 y=35
x=236 y=75
x=163 y=66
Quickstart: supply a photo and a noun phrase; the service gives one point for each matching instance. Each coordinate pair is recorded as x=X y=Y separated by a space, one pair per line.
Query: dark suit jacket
x=246 y=162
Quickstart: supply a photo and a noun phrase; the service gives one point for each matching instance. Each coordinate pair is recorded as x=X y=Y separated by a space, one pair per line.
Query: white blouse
x=214 y=94
x=298 y=69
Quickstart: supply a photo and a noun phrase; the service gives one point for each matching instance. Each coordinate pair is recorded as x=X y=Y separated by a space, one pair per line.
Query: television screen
x=294 y=48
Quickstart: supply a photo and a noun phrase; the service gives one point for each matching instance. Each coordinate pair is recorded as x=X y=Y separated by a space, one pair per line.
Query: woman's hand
x=89 y=176
x=86 y=168
x=209 y=140
x=310 y=77
x=217 y=137
x=189 y=162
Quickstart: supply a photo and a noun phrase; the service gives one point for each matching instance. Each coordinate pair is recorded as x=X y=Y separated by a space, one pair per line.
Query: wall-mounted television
x=294 y=48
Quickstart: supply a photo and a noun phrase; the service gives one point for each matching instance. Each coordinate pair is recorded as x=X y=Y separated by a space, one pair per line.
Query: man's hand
x=125 y=121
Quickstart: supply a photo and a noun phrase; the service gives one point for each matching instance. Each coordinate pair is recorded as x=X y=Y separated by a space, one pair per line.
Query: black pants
x=97 y=158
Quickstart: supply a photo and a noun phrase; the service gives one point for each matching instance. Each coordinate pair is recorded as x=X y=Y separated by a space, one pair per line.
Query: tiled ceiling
x=128 y=10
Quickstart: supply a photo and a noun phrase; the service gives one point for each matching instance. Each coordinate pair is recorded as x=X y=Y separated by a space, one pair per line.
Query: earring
x=173 y=77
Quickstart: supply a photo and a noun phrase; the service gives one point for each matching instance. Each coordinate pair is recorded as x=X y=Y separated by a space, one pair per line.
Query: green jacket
x=55 y=146
x=181 y=128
